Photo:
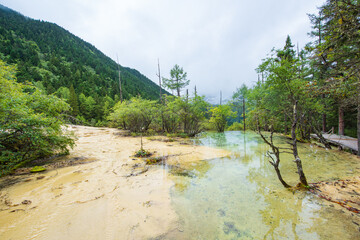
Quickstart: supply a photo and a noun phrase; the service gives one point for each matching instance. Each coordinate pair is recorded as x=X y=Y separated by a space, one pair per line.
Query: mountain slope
x=53 y=58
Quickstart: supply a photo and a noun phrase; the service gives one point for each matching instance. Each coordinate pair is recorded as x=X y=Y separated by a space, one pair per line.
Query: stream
x=240 y=197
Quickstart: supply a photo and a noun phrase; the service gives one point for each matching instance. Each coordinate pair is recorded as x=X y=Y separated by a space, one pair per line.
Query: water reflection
x=239 y=197
x=185 y=174
x=212 y=139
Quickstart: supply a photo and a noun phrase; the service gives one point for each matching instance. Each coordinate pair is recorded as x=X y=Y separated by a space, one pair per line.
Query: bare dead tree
x=297 y=160
x=220 y=98
x=159 y=76
x=121 y=96
x=275 y=162
x=244 y=113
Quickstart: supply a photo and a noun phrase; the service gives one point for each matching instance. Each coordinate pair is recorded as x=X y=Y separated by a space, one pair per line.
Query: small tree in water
x=281 y=97
x=275 y=162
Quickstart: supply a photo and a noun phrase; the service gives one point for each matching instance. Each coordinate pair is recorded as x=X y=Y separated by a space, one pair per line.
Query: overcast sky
x=218 y=43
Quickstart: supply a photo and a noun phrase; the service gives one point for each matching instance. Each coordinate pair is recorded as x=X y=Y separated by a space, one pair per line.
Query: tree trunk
x=160 y=94
x=244 y=113
x=186 y=121
x=220 y=98
x=358 y=116
x=277 y=170
x=266 y=126
x=285 y=122
x=178 y=88
x=295 y=150
x=276 y=152
x=121 y=95
x=323 y=117
x=341 y=121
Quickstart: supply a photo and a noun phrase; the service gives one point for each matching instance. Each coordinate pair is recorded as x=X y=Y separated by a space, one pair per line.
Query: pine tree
x=178 y=79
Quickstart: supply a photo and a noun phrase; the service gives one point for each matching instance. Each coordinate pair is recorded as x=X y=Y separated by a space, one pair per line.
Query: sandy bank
x=102 y=199
x=341 y=194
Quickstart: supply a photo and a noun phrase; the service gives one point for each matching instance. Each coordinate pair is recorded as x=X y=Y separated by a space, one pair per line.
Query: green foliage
x=142 y=153
x=334 y=59
x=236 y=127
x=170 y=118
x=177 y=81
x=238 y=102
x=30 y=122
x=190 y=113
x=64 y=93
x=341 y=36
x=135 y=114
x=320 y=78
x=49 y=55
x=176 y=115
x=219 y=116
x=73 y=101
x=286 y=80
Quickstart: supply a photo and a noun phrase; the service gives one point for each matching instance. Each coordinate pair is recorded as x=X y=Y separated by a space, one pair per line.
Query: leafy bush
x=188 y=112
x=30 y=122
x=219 y=116
x=236 y=126
x=175 y=115
x=135 y=115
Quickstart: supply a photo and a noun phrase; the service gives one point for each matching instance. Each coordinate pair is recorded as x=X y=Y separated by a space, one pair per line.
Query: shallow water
x=240 y=197
x=237 y=197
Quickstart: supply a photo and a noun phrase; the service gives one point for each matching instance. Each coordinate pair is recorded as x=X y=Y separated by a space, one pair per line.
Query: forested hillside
x=59 y=62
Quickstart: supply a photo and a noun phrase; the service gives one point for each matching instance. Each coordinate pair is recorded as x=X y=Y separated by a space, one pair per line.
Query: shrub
x=143 y=153
x=30 y=122
x=236 y=126
x=219 y=116
x=135 y=115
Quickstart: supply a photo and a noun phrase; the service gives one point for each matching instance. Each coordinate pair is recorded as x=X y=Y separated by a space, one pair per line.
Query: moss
x=154 y=160
x=182 y=172
x=37 y=169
